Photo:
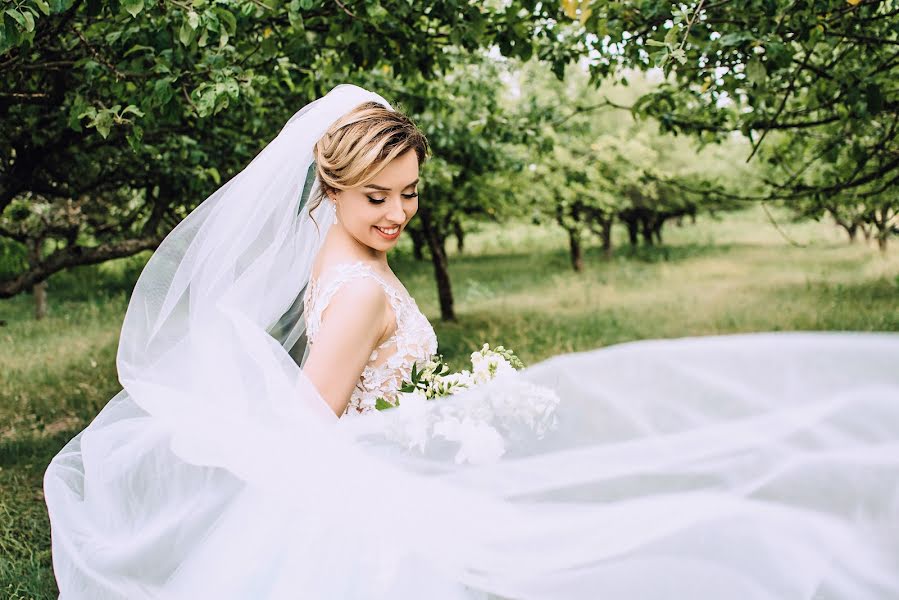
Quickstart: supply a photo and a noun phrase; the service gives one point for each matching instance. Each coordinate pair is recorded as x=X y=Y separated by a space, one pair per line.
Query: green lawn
x=513 y=286
x=734 y=275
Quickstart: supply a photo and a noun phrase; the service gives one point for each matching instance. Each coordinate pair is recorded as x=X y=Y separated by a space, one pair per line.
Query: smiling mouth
x=390 y=231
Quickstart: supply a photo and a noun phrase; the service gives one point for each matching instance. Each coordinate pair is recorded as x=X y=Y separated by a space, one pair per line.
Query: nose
x=395 y=213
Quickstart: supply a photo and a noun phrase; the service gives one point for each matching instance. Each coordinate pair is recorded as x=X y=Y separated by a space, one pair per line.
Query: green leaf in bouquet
x=510 y=356
x=382 y=404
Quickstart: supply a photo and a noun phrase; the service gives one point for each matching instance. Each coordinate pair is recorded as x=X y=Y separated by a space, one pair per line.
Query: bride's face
x=376 y=214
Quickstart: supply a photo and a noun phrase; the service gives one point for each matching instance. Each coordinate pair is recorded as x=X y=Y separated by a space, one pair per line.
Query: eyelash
x=381 y=200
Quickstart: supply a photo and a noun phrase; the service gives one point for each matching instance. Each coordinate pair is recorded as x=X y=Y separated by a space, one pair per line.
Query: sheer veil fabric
x=761 y=466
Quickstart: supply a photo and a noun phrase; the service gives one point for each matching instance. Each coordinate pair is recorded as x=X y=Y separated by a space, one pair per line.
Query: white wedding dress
x=391 y=362
x=746 y=467
x=753 y=466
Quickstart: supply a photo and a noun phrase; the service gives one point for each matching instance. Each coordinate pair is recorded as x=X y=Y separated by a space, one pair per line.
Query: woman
x=751 y=467
x=372 y=318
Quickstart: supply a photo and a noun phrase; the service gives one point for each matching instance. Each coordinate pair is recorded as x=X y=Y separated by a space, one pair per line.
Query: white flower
x=479 y=354
x=410 y=421
x=479 y=443
x=461 y=379
x=472 y=417
x=449 y=384
x=486 y=367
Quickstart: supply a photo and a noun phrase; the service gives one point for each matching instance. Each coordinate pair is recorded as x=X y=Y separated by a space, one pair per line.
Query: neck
x=340 y=241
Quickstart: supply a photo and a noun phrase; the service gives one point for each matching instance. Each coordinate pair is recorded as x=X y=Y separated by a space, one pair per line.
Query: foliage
x=871 y=208
x=821 y=72
x=601 y=168
x=468 y=127
x=120 y=117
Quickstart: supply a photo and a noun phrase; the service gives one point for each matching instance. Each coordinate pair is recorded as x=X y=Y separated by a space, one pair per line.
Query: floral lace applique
x=391 y=362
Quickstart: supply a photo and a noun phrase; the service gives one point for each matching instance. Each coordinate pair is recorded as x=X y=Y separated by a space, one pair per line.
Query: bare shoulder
x=359 y=303
x=351 y=325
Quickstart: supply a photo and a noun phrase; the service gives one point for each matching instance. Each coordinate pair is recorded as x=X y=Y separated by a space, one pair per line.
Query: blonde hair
x=360 y=144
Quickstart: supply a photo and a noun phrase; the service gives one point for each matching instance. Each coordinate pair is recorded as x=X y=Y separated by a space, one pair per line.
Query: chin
x=384 y=244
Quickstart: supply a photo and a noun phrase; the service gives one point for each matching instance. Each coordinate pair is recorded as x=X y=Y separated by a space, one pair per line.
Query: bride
x=244 y=458
x=371 y=317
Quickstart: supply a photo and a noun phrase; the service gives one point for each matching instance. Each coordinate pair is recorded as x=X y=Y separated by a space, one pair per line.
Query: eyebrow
x=374 y=186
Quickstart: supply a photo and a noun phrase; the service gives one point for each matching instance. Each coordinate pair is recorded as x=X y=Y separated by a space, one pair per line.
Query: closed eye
x=381 y=200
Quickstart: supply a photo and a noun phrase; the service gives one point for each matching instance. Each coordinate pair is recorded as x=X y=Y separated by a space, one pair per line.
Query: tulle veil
x=760 y=466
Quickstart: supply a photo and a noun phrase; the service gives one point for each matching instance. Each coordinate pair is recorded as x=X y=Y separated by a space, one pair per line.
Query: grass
x=716 y=277
x=513 y=285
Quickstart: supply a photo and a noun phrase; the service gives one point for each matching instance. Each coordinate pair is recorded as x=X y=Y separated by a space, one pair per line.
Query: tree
x=821 y=73
x=871 y=207
x=796 y=67
x=602 y=168
x=119 y=117
x=468 y=127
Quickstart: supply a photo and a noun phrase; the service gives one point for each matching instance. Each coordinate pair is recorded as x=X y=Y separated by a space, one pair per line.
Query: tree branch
x=783 y=103
x=72 y=256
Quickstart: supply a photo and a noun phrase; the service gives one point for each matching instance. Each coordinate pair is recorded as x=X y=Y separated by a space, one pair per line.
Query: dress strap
x=323 y=288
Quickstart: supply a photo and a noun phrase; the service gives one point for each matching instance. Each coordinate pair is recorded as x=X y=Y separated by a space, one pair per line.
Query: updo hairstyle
x=360 y=144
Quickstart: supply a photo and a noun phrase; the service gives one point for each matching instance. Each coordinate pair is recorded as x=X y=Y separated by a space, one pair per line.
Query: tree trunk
x=866 y=231
x=577 y=257
x=418 y=244
x=851 y=228
x=441 y=272
x=884 y=229
x=632 y=232
x=39 y=287
x=40 y=299
x=646 y=232
x=606 y=236
x=460 y=236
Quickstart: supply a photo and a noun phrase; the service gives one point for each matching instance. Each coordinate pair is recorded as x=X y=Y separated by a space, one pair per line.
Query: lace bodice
x=391 y=362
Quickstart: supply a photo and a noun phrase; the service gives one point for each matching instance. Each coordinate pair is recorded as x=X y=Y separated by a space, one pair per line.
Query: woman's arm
x=352 y=325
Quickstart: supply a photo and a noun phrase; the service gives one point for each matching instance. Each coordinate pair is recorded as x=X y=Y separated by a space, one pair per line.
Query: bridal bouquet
x=489 y=401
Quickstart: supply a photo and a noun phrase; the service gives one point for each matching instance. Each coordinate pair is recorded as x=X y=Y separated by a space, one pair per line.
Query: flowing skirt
x=759 y=466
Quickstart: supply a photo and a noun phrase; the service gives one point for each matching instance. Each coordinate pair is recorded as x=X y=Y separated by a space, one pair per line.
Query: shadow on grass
x=32 y=454
x=672 y=253
x=479 y=277
x=534 y=335
x=593 y=255
x=835 y=306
